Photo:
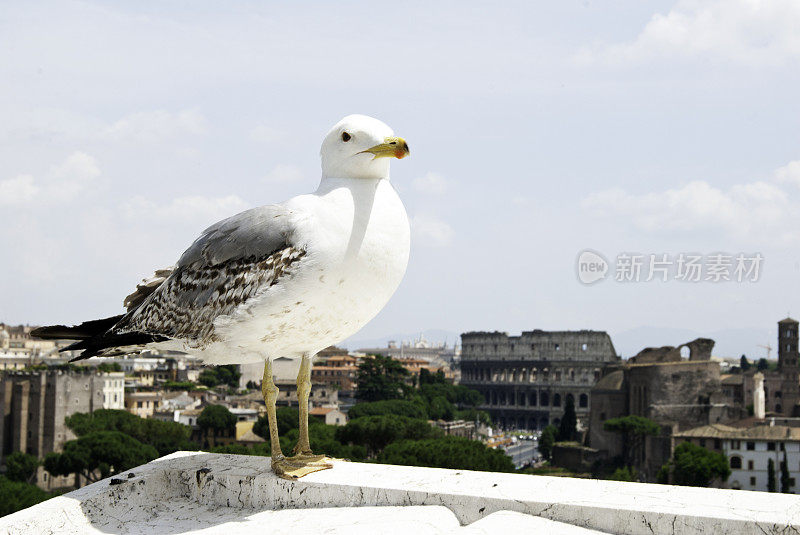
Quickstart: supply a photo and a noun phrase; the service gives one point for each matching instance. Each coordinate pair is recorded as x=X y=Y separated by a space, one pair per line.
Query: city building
x=336 y=371
x=437 y=353
x=781 y=385
x=17 y=340
x=34 y=405
x=143 y=404
x=749 y=450
x=527 y=379
x=329 y=415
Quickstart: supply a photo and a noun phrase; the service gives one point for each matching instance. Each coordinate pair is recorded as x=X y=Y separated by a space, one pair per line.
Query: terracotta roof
x=756 y=432
x=321 y=411
x=249 y=436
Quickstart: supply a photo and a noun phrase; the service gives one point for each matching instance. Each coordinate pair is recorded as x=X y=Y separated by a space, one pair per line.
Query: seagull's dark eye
x=345 y=137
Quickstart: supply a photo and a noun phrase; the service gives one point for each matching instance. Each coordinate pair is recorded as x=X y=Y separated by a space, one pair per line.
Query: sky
x=538 y=130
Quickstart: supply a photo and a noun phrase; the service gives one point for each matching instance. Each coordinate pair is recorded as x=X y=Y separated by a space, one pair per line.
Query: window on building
x=791 y=482
x=752 y=481
x=770 y=446
x=717 y=444
x=751 y=446
x=750 y=465
x=583 y=401
x=556 y=400
x=782 y=446
x=736 y=462
x=702 y=442
x=736 y=444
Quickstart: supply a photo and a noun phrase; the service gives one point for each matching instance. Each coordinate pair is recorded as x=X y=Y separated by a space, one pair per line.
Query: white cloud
x=190 y=209
x=756 y=32
x=430 y=230
x=284 y=174
x=73 y=176
x=17 y=190
x=789 y=173
x=431 y=184
x=63 y=182
x=757 y=209
x=158 y=125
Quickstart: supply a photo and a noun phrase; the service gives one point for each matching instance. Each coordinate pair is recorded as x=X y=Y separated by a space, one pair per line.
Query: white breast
x=357 y=238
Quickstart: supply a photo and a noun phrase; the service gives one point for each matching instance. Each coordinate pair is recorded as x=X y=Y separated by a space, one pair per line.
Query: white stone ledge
x=214 y=493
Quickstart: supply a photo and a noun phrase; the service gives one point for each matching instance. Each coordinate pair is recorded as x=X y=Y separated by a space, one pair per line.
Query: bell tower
x=788 y=364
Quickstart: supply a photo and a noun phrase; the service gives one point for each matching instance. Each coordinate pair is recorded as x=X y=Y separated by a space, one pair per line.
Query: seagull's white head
x=360 y=147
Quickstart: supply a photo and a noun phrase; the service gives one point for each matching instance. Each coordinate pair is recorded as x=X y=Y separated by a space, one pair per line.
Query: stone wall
x=194 y=491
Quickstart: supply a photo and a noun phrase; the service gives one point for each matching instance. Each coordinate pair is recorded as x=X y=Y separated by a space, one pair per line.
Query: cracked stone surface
x=195 y=492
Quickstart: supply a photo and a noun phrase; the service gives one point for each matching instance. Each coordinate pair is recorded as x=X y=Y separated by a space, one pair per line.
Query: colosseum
x=527 y=379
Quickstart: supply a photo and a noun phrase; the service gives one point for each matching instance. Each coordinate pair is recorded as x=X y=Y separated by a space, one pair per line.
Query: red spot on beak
x=400 y=154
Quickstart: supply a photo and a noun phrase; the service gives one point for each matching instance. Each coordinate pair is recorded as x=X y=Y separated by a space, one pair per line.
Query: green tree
x=626 y=473
x=166 y=437
x=568 y=427
x=179 y=385
x=103 y=452
x=762 y=364
x=107 y=367
x=441 y=409
x=288 y=418
x=633 y=429
x=380 y=378
x=18 y=495
x=771 y=485
x=447 y=452
x=744 y=364
x=376 y=432
x=21 y=467
x=227 y=374
x=546 y=441
x=217 y=421
x=694 y=466
x=427 y=378
x=785 y=475
x=399 y=407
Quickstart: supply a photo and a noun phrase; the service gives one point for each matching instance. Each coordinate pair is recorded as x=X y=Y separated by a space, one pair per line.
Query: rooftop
x=191 y=492
x=756 y=432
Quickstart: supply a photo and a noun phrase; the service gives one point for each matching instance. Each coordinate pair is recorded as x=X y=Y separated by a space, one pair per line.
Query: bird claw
x=300 y=465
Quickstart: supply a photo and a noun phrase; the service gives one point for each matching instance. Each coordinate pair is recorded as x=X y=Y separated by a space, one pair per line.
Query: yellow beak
x=392 y=147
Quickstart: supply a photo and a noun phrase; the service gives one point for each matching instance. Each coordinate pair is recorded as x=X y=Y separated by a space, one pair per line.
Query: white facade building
x=114 y=390
x=748 y=451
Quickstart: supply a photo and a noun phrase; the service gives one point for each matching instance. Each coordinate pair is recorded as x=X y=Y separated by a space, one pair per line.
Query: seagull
x=281 y=280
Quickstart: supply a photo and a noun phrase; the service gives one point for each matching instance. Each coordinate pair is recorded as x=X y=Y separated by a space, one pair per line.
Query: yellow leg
x=270 y=392
x=303 y=446
x=299 y=465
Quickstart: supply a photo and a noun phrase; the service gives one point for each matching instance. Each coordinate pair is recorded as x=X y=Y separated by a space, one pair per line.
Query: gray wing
x=228 y=264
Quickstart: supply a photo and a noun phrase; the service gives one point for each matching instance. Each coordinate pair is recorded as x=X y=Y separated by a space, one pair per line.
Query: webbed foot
x=300 y=465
